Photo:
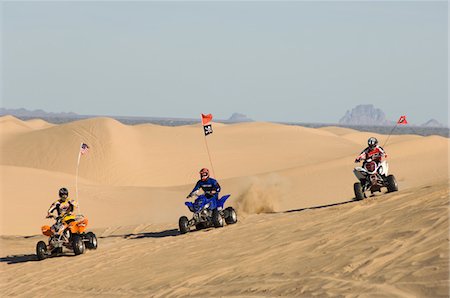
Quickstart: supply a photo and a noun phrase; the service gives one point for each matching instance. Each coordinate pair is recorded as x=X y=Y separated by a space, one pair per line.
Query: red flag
x=206 y=119
x=402 y=120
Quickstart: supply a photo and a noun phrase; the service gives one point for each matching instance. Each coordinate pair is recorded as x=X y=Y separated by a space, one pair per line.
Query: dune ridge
x=150 y=169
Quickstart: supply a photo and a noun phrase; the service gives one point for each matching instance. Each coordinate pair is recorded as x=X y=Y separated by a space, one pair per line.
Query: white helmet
x=372 y=142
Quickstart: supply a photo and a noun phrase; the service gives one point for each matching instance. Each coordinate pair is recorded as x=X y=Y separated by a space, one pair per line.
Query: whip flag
x=84 y=149
x=207 y=130
x=206 y=122
x=402 y=120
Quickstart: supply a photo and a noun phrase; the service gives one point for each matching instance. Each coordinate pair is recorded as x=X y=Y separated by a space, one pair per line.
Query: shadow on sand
x=322 y=206
x=162 y=234
x=17 y=259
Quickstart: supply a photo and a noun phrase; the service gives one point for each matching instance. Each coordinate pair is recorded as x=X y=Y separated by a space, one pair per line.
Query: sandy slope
x=145 y=171
x=134 y=180
x=150 y=155
x=390 y=246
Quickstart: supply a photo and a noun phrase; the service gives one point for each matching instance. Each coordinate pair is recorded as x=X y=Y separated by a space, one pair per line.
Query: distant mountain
x=25 y=114
x=36 y=113
x=237 y=117
x=432 y=123
x=364 y=115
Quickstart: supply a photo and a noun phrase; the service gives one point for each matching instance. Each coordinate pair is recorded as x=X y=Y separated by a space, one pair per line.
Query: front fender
x=190 y=206
x=360 y=173
x=384 y=168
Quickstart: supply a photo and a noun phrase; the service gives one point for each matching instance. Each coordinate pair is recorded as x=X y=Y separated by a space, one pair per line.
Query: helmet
x=63 y=193
x=372 y=142
x=204 y=174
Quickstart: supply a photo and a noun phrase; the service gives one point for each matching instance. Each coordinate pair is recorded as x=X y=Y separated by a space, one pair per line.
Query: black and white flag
x=207 y=129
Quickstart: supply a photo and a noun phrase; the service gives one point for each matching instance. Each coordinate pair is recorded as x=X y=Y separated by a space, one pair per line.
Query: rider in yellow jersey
x=65 y=208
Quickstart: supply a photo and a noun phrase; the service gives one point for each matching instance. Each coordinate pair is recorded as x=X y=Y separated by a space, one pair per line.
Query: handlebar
x=59 y=217
x=196 y=194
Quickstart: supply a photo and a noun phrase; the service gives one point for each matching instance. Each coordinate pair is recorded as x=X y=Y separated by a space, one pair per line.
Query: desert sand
x=299 y=232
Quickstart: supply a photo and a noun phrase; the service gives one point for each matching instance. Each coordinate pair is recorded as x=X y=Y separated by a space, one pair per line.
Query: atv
x=73 y=238
x=207 y=212
x=373 y=176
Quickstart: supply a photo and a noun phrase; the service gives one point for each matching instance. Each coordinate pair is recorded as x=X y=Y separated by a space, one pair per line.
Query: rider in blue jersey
x=209 y=185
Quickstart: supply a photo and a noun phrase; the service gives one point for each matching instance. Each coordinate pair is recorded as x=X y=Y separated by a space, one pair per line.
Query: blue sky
x=274 y=61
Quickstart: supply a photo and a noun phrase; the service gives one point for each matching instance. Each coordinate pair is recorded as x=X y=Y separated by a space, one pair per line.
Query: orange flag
x=206 y=119
x=207 y=126
x=402 y=120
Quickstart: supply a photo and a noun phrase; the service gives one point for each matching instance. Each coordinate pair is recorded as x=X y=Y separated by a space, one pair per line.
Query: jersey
x=67 y=207
x=207 y=186
x=376 y=154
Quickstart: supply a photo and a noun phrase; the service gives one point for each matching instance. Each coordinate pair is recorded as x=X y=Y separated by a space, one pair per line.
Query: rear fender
x=222 y=200
x=82 y=225
x=78 y=227
x=73 y=227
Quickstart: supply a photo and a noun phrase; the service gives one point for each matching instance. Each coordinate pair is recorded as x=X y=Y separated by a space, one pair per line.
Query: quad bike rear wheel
x=392 y=184
x=359 y=193
x=230 y=216
x=183 y=224
x=41 y=250
x=91 y=242
x=217 y=219
x=77 y=244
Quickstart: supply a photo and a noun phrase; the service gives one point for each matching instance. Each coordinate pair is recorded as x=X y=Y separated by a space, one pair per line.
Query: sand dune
x=38 y=124
x=339 y=131
x=133 y=184
x=390 y=246
x=166 y=156
x=10 y=125
x=150 y=168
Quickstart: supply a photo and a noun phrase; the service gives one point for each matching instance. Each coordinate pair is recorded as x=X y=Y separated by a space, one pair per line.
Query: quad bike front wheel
x=217 y=219
x=91 y=241
x=359 y=193
x=183 y=224
x=392 y=184
x=77 y=244
x=41 y=250
x=231 y=216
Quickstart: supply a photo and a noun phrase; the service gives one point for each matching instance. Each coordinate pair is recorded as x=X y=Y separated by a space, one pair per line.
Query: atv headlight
x=207 y=205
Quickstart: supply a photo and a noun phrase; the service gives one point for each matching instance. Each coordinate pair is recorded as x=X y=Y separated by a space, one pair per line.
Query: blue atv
x=208 y=212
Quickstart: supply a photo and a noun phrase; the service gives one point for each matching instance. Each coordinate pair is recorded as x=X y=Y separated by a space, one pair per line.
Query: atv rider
x=209 y=185
x=65 y=209
x=373 y=151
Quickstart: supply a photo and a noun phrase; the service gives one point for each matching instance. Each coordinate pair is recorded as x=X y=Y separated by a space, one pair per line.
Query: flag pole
x=395 y=126
x=76 y=178
x=209 y=156
x=401 y=120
